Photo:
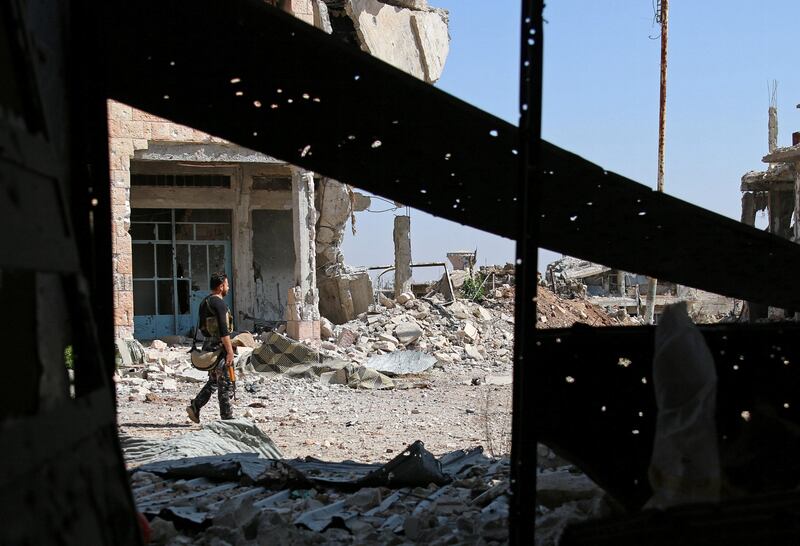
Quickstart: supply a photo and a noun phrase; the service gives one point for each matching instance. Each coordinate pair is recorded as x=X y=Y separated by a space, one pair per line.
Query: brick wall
x=129 y=130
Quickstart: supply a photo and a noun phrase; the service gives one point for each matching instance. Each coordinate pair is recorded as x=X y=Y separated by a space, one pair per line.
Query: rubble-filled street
x=412 y=369
x=449 y=405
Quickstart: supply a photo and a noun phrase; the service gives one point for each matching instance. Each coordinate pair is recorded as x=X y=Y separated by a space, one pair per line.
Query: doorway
x=175 y=251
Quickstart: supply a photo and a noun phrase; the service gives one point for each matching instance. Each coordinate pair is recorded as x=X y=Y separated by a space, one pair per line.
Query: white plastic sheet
x=684 y=467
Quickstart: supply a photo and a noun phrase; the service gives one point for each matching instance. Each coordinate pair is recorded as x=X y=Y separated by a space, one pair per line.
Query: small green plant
x=473 y=288
x=68 y=356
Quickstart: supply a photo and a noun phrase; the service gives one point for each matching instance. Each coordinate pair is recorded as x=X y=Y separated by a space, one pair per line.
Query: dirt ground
x=443 y=408
x=462 y=404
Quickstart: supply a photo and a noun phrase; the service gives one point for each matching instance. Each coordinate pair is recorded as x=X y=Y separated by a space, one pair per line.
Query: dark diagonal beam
x=346 y=115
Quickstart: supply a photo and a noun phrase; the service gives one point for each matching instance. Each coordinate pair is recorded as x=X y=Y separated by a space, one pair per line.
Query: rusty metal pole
x=662 y=122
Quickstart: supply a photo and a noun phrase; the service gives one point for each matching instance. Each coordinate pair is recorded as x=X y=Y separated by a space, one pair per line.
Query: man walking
x=216 y=324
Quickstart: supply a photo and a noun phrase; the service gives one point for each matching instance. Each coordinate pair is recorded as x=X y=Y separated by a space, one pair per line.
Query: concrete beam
x=202 y=153
x=402 y=254
x=198 y=198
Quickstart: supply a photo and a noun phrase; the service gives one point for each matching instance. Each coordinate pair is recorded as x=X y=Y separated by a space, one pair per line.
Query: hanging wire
x=656 y=18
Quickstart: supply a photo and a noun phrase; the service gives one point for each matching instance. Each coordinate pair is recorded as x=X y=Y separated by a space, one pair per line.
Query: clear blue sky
x=601 y=85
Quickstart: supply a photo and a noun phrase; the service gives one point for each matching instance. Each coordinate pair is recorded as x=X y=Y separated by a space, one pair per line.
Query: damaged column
x=302 y=305
x=344 y=292
x=402 y=255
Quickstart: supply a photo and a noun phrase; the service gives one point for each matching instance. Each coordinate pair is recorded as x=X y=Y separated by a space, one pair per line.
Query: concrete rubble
x=407 y=34
x=460 y=497
x=623 y=294
x=419 y=331
x=447 y=368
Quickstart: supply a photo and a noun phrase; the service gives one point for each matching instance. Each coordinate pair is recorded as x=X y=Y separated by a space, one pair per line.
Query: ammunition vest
x=211 y=325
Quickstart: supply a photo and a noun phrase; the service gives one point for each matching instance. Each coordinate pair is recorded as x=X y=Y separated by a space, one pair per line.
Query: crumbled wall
x=407 y=34
x=344 y=292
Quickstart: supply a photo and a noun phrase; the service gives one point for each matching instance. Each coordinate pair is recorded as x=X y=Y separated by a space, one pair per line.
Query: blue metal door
x=172 y=264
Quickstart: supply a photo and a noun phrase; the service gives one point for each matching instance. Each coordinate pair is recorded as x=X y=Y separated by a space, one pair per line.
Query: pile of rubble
x=461 y=331
x=460 y=497
x=408 y=335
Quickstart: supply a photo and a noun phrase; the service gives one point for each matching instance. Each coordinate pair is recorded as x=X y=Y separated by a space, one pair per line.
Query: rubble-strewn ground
x=453 y=405
x=461 y=402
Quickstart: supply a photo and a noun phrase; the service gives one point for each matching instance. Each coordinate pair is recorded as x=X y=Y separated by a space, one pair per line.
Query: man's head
x=219 y=284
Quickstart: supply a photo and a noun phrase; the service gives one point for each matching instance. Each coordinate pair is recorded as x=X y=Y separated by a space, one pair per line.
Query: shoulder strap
x=199 y=322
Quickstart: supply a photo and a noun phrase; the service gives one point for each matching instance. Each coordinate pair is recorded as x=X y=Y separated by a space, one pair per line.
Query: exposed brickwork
x=129 y=130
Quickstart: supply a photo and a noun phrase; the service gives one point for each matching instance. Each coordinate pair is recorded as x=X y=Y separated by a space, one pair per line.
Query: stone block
x=405 y=297
x=120 y=179
x=140 y=115
x=386 y=32
x=386 y=302
x=346 y=338
x=119 y=111
x=303 y=329
x=469 y=332
x=322 y=19
x=414 y=41
x=407 y=332
x=433 y=40
x=140 y=143
x=124 y=299
x=472 y=352
x=325 y=328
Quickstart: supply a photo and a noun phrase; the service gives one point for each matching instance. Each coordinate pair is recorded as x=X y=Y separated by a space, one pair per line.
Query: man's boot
x=193 y=412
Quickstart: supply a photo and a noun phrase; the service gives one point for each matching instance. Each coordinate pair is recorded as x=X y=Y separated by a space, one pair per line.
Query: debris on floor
x=257 y=497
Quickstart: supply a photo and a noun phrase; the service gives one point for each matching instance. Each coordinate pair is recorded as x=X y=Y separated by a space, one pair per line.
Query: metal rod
x=387 y=268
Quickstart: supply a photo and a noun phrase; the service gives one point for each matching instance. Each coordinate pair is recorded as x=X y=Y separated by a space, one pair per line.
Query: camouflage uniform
x=218 y=379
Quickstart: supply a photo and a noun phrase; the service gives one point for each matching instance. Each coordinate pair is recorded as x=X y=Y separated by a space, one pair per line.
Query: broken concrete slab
x=414 y=41
x=390 y=338
x=192 y=375
x=325 y=328
x=482 y=313
x=407 y=332
x=385 y=346
x=459 y=310
x=469 y=332
x=386 y=302
x=245 y=339
x=405 y=297
x=472 y=352
x=401 y=363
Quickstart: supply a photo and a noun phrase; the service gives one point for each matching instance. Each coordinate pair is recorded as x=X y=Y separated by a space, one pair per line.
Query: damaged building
x=187 y=204
x=626 y=292
x=775 y=192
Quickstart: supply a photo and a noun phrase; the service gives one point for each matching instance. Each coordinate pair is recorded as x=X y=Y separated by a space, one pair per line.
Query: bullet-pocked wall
x=184 y=206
